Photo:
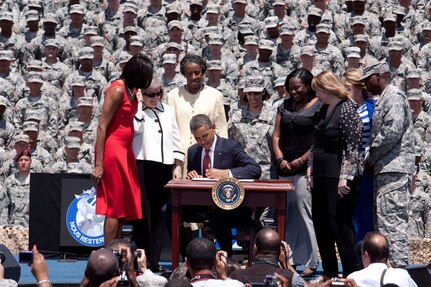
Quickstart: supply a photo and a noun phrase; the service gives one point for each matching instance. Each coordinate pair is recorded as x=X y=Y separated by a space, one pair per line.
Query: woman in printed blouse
x=333 y=170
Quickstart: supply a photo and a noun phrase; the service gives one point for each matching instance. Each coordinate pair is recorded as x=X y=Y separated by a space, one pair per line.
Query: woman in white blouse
x=159 y=158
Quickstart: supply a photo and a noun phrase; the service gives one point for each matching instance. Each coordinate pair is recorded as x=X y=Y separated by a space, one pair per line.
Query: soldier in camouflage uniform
x=9 y=40
x=16 y=83
x=33 y=30
x=287 y=53
x=253 y=126
x=88 y=119
x=238 y=15
x=18 y=191
x=398 y=64
x=414 y=80
x=31 y=128
x=74 y=32
x=54 y=71
x=392 y=155
x=251 y=46
x=424 y=50
x=45 y=139
x=419 y=215
x=214 y=73
x=37 y=100
x=100 y=61
x=326 y=56
x=6 y=128
x=361 y=41
x=69 y=161
x=307 y=59
x=421 y=120
x=170 y=78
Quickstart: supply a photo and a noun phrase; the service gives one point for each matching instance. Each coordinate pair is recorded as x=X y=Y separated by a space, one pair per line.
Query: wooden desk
x=265 y=193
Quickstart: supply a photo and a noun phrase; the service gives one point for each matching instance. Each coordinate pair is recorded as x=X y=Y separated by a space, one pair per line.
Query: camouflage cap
x=85 y=102
x=413 y=73
x=35 y=4
x=215 y=39
x=307 y=50
x=3 y=101
x=399 y=10
x=33 y=114
x=136 y=41
x=175 y=23
x=266 y=44
x=32 y=15
x=271 y=22
x=390 y=17
x=414 y=94
x=206 y=31
x=173 y=8
x=97 y=41
x=254 y=84
x=76 y=126
x=323 y=28
x=174 y=45
x=130 y=7
x=278 y=2
x=212 y=8
x=313 y=10
x=426 y=26
x=169 y=59
x=50 y=18
x=72 y=142
x=52 y=42
x=379 y=68
x=6 y=16
x=355 y=20
x=287 y=30
x=279 y=82
x=239 y=1
x=86 y=53
x=124 y=57
x=90 y=30
x=35 y=64
x=214 y=65
x=352 y=52
x=30 y=126
x=241 y=84
x=78 y=81
x=77 y=9
x=251 y=40
x=195 y=2
x=6 y=55
x=360 y=38
x=21 y=138
x=130 y=29
x=395 y=46
x=35 y=77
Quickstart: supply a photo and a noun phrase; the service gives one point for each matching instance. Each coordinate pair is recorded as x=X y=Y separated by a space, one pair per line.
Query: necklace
x=200 y=89
x=131 y=94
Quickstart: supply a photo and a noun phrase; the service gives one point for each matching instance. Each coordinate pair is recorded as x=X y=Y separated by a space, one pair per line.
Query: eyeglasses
x=153 y=95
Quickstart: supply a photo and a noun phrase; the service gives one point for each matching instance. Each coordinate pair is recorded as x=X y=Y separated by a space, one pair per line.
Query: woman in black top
x=333 y=169
x=293 y=134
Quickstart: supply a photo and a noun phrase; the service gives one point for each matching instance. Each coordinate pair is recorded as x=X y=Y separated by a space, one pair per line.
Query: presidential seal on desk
x=228 y=193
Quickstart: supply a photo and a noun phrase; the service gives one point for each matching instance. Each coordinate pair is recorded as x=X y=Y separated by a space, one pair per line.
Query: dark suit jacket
x=228 y=154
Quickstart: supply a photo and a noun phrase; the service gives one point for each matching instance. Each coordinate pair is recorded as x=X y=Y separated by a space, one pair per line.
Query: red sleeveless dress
x=118 y=195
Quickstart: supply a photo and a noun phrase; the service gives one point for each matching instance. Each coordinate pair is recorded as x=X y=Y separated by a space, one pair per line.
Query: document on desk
x=215 y=179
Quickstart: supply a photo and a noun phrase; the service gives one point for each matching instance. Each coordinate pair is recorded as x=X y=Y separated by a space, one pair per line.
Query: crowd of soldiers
x=57 y=58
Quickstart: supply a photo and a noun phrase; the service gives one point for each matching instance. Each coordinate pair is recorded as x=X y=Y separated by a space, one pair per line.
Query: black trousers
x=148 y=232
x=333 y=223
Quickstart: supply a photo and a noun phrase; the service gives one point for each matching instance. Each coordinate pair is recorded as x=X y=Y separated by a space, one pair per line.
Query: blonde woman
x=333 y=169
x=364 y=205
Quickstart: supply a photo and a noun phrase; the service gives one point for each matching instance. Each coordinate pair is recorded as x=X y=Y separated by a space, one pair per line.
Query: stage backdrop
x=62 y=217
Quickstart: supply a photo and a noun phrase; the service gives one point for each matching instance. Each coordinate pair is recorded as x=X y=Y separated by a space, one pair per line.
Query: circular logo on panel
x=228 y=193
x=84 y=225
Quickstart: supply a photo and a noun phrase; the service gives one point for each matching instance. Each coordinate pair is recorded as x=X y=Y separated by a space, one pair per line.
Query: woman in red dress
x=115 y=171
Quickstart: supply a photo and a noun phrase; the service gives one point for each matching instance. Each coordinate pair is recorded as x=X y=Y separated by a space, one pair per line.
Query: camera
x=269 y=281
x=25 y=257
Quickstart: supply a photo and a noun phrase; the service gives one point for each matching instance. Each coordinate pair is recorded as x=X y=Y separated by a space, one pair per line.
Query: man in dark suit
x=216 y=157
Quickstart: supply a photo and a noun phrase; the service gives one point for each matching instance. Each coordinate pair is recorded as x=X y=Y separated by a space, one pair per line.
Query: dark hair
x=138 y=72
x=193 y=59
x=179 y=283
x=305 y=76
x=377 y=251
x=268 y=241
x=200 y=254
x=119 y=241
x=199 y=121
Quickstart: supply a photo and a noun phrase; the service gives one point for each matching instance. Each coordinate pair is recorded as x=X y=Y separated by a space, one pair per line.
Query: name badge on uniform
x=228 y=193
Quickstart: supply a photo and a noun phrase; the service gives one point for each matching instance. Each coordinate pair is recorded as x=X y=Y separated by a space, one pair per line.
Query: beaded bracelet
x=43 y=281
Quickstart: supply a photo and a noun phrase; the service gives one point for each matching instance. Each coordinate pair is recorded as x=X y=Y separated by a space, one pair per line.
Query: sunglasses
x=153 y=95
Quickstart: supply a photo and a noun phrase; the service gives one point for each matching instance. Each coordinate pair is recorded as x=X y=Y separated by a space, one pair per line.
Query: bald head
x=377 y=247
x=268 y=242
x=102 y=265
